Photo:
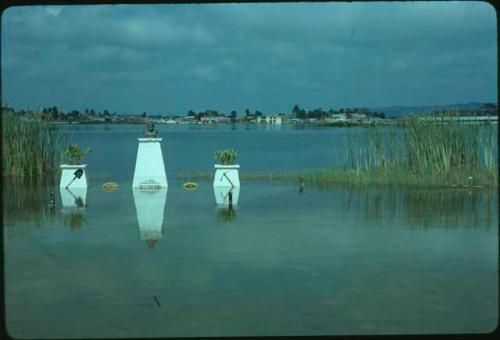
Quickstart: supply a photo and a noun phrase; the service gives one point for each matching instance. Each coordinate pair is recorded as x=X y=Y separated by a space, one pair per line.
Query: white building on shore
x=270 y=120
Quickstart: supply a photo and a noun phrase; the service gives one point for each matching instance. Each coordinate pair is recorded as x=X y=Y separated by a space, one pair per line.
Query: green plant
x=225 y=157
x=421 y=152
x=31 y=147
x=75 y=154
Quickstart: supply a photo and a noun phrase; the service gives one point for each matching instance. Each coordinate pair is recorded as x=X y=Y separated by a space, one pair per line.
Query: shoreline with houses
x=485 y=114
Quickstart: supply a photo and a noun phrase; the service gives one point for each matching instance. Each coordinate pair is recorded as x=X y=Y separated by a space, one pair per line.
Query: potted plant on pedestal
x=74 y=173
x=226 y=173
x=226 y=179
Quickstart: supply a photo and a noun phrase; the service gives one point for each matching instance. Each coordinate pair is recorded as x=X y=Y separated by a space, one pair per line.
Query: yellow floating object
x=190 y=186
x=110 y=186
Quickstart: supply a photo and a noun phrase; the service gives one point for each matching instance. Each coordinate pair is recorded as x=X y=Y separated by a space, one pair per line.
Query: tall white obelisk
x=149 y=167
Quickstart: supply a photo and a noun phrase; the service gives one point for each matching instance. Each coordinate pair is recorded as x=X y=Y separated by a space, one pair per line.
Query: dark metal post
x=230 y=196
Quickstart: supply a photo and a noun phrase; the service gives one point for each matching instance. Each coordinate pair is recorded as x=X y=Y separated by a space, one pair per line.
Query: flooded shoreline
x=326 y=262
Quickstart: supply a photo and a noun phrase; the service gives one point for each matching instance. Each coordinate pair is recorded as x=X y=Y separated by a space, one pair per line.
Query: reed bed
x=425 y=152
x=430 y=153
x=31 y=148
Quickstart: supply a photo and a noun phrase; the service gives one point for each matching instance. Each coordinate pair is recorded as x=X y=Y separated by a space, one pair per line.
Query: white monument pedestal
x=222 y=196
x=149 y=166
x=226 y=175
x=68 y=174
x=226 y=181
x=150 y=207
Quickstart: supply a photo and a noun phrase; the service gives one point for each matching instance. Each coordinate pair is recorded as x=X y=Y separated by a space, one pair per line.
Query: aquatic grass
x=433 y=153
x=424 y=152
x=361 y=177
x=31 y=148
x=488 y=151
x=195 y=175
x=244 y=175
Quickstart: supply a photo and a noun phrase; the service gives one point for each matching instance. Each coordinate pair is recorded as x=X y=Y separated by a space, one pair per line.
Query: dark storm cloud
x=173 y=58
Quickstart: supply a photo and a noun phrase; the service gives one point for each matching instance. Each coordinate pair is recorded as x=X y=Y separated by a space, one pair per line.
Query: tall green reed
x=423 y=152
x=435 y=151
x=32 y=147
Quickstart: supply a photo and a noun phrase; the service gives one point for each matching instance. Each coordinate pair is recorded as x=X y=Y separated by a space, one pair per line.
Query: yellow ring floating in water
x=110 y=186
x=190 y=186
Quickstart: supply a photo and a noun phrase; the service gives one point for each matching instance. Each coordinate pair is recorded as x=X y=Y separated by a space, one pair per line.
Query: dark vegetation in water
x=424 y=208
x=37 y=205
x=22 y=203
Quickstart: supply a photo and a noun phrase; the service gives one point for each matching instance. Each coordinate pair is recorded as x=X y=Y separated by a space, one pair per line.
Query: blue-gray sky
x=268 y=57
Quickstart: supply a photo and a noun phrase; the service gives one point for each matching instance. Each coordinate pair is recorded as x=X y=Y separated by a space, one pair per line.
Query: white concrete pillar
x=150 y=208
x=226 y=180
x=222 y=196
x=149 y=167
x=68 y=176
x=226 y=175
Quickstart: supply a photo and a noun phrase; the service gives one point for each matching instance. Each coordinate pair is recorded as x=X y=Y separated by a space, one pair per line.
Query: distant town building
x=296 y=120
x=189 y=119
x=224 y=120
x=213 y=120
x=358 y=116
x=336 y=118
x=273 y=119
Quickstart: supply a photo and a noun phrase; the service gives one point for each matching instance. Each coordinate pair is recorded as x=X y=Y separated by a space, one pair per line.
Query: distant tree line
x=211 y=113
x=320 y=114
x=54 y=114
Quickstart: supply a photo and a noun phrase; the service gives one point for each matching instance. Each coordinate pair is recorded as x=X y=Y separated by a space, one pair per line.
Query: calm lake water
x=327 y=261
x=186 y=147
x=261 y=148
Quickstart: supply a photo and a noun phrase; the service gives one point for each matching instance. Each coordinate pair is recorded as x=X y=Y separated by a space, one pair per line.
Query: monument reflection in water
x=73 y=198
x=226 y=201
x=74 y=203
x=150 y=207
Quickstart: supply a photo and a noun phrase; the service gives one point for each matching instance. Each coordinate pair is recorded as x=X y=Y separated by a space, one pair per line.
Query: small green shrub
x=225 y=157
x=75 y=154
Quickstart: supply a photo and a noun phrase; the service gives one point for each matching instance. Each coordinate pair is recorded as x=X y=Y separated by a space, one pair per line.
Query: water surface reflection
x=424 y=208
x=74 y=197
x=340 y=260
x=413 y=208
x=150 y=208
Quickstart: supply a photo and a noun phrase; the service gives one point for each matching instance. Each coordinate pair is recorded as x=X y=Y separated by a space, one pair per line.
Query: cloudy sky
x=268 y=57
